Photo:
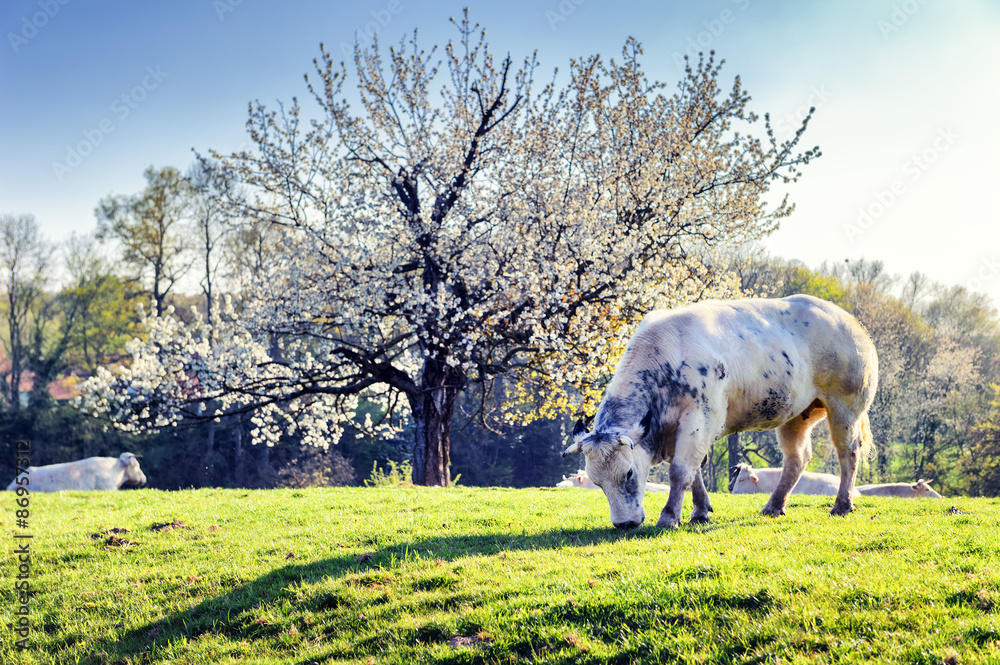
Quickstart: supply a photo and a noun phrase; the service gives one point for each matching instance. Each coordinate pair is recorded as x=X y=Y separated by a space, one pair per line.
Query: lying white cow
x=918 y=490
x=693 y=375
x=581 y=480
x=93 y=473
x=749 y=480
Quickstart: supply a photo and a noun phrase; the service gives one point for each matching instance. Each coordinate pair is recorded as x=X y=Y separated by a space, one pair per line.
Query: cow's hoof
x=771 y=511
x=700 y=519
x=841 y=510
x=668 y=522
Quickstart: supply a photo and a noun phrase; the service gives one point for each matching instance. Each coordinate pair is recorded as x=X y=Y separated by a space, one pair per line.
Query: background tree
x=982 y=465
x=102 y=303
x=25 y=260
x=941 y=412
x=150 y=229
x=455 y=231
x=901 y=338
x=207 y=215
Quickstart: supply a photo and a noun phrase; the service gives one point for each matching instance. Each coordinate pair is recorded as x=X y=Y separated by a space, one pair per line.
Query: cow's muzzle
x=631 y=524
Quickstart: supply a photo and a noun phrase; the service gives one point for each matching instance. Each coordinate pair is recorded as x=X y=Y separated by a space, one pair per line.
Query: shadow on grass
x=231 y=613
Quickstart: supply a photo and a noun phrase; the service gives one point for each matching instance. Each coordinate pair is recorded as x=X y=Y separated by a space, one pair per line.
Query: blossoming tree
x=464 y=223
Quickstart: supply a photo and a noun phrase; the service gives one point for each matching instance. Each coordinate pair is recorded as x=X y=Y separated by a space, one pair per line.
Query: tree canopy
x=465 y=223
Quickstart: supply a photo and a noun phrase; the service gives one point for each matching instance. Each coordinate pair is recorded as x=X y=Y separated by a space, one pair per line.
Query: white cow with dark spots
x=918 y=490
x=93 y=473
x=691 y=376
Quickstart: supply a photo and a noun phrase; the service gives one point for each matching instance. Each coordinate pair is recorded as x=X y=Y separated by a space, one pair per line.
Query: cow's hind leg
x=702 y=504
x=796 y=447
x=851 y=434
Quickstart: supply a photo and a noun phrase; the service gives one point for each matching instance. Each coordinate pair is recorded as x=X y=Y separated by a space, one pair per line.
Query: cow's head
x=744 y=481
x=617 y=465
x=133 y=474
x=922 y=488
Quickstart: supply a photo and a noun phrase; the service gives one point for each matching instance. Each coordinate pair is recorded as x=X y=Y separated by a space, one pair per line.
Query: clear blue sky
x=907 y=93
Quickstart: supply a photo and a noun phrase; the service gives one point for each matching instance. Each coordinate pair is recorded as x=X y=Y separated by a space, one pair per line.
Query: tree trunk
x=241 y=476
x=432 y=409
x=264 y=465
x=735 y=454
x=209 y=462
x=708 y=469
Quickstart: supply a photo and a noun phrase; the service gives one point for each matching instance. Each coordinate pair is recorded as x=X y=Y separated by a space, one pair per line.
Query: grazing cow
x=749 y=480
x=692 y=375
x=918 y=490
x=93 y=473
x=581 y=480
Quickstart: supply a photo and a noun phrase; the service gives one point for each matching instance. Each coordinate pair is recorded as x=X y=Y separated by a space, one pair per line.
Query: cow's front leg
x=791 y=471
x=682 y=475
x=793 y=438
x=702 y=504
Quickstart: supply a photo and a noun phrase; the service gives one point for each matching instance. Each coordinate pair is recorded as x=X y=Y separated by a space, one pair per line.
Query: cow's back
x=86 y=474
x=901 y=490
x=759 y=361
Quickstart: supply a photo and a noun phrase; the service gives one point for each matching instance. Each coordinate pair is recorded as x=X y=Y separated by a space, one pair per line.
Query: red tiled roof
x=60 y=389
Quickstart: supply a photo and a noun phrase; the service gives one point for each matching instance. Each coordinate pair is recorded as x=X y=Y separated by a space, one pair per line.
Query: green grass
x=395 y=575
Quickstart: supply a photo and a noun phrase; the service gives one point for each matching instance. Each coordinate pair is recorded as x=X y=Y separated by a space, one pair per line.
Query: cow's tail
x=866 y=451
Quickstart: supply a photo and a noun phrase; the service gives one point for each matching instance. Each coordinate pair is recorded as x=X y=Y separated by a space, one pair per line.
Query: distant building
x=62 y=389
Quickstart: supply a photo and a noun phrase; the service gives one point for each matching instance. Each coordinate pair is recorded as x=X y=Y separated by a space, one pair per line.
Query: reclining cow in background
x=93 y=473
x=918 y=490
x=580 y=479
x=693 y=375
x=749 y=480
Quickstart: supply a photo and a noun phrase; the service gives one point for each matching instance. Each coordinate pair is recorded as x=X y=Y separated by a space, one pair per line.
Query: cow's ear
x=579 y=428
x=646 y=421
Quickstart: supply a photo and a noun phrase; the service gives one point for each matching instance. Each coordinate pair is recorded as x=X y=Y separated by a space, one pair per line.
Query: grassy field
x=469 y=575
